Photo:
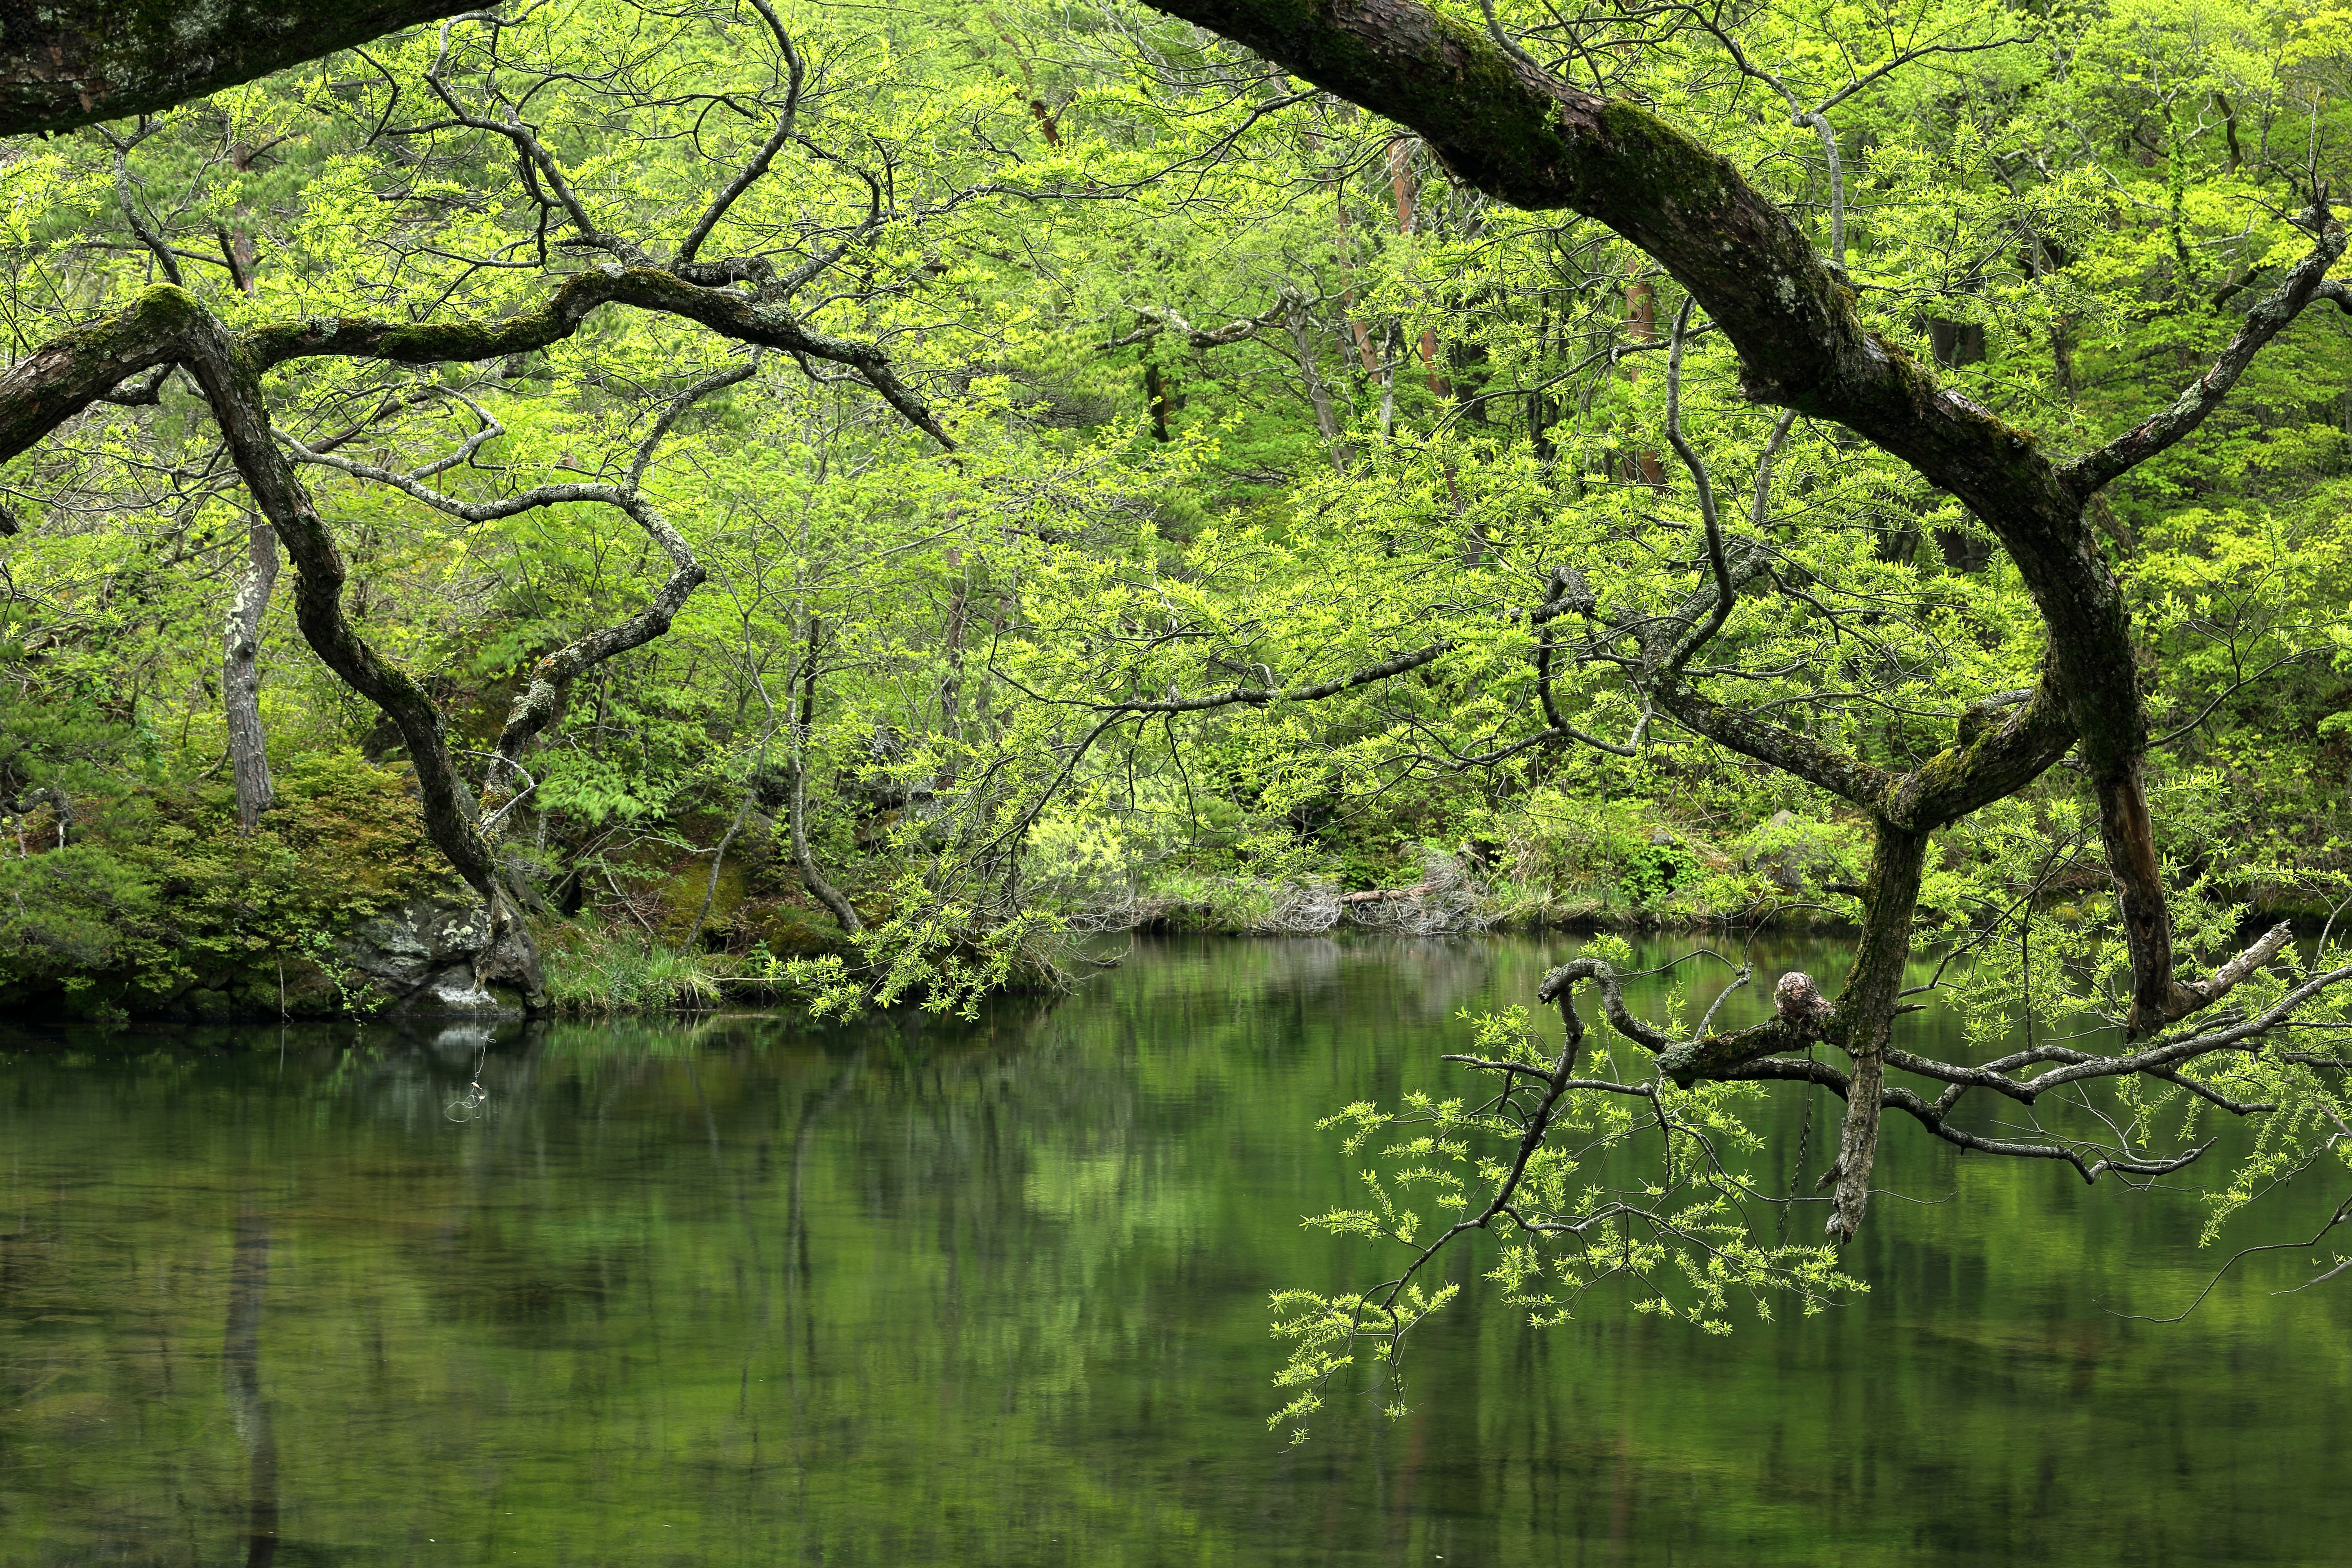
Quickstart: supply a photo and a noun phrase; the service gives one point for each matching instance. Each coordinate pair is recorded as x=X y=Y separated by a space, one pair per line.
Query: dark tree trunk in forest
x=1156 y=398
x=796 y=807
x=951 y=687
x=1955 y=343
x=75 y=62
x=249 y=751
x=1866 y=1011
x=1643 y=467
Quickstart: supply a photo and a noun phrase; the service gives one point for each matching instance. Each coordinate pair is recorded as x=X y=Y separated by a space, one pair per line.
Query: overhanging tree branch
x=79 y=61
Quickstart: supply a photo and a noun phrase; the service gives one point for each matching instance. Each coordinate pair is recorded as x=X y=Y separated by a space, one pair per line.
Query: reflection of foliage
x=947 y=956
x=1049 y=1235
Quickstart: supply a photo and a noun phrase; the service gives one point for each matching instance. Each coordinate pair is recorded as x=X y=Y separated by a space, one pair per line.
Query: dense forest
x=846 y=505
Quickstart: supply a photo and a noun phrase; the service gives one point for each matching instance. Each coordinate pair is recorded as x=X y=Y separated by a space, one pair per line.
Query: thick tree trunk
x=2130 y=840
x=231 y=385
x=1864 y=1020
x=1503 y=125
x=75 y=62
x=249 y=751
x=450 y=815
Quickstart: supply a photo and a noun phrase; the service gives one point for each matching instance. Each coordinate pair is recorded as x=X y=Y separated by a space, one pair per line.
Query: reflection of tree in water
x=899 y=1293
x=241 y=1370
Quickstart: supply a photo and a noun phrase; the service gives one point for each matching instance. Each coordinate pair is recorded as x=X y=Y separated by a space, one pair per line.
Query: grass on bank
x=602 y=972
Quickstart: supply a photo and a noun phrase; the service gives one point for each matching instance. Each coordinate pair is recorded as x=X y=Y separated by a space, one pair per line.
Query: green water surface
x=737 y=1291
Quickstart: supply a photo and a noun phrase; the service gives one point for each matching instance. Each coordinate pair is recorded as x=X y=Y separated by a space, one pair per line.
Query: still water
x=738 y=1292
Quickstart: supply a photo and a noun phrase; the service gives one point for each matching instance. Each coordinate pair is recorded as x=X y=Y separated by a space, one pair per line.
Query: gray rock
x=428 y=958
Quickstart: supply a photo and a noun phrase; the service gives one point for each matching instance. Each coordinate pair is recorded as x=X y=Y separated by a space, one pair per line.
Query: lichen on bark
x=80 y=61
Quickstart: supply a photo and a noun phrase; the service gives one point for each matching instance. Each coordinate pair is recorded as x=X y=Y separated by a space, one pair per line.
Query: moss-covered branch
x=63 y=65
x=1502 y=124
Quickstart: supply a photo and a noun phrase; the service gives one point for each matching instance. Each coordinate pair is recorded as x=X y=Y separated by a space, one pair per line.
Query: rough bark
x=1864 y=1020
x=63 y=65
x=248 y=752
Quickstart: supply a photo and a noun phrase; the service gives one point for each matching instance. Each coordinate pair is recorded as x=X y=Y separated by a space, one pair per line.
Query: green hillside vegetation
x=1244 y=393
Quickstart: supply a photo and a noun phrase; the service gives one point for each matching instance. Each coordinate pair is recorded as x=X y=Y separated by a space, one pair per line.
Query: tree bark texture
x=249 y=751
x=1864 y=1020
x=77 y=61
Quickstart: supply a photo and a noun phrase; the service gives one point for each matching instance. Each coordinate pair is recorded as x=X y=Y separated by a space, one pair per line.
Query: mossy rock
x=302 y=989
x=681 y=900
x=790 y=932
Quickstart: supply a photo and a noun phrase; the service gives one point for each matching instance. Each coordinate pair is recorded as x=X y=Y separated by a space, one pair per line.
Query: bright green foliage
x=1595 y=1204
x=1246 y=398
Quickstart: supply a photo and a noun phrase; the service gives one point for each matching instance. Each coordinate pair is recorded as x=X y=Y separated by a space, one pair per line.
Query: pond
x=737 y=1291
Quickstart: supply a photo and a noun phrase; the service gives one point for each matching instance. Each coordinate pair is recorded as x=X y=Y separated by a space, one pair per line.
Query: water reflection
x=734 y=1292
x=241 y=1366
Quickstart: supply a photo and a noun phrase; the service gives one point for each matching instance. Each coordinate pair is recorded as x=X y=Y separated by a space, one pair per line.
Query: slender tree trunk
x=2130 y=837
x=796 y=820
x=958 y=612
x=1401 y=182
x=1394 y=344
x=1160 y=399
x=249 y=748
x=1352 y=329
x=1318 y=396
x=1866 y=1011
x=951 y=687
x=718 y=863
x=1365 y=352
x=1642 y=327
